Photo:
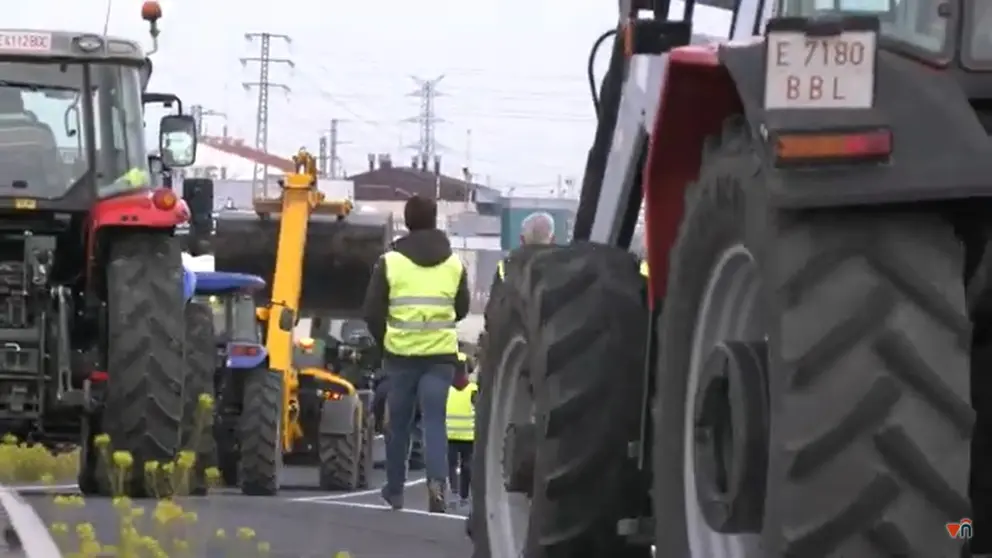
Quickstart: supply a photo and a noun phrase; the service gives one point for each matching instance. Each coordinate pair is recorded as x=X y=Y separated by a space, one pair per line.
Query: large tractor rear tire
x=565 y=349
x=261 y=433
x=201 y=359
x=341 y=456
x=816 y=361
x=144 y=402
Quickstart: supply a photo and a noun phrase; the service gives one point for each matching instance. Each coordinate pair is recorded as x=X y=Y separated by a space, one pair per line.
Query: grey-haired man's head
x=537 y=228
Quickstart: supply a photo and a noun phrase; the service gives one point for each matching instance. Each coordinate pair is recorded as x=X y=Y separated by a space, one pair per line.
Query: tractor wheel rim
x=728 y=310
x=507 y=514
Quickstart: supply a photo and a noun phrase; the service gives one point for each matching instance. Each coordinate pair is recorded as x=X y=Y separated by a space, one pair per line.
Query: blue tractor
x=238 y=360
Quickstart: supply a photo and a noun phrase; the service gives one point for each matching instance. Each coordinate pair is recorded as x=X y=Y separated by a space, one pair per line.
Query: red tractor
x=92 y=321
x=805 y=372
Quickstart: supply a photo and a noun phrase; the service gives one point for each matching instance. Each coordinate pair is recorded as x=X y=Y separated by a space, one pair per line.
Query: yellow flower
x=101 y=440
x=220 y=534
x=264 y=548
x=246 y=533
x=213 y=474
x=59 y=528
x=186 y=459
x=205 y=401
x=151 y=466
x=123 y=459
x=190 y=517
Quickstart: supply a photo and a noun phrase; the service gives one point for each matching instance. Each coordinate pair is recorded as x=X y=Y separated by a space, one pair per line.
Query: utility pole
x=427 y=120
x=200 y=113
x=334 y=142
x=264 y=59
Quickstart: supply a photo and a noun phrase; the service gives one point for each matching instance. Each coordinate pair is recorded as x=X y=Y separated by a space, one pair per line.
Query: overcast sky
x=514 y=73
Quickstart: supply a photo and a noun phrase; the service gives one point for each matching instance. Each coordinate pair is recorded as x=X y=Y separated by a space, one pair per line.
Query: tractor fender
x=189 y=283
x=940 y=150
x=337 y=416
x=249 y=362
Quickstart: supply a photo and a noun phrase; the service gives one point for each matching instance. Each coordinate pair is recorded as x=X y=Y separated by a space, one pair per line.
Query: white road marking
x=382 y=507
x=44 y=488
x=346 y=495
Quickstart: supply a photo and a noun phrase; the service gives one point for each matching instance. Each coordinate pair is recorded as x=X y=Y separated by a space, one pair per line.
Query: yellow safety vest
x=644 y=268
x=501 y=270
x=421 y=319
x=461 y=413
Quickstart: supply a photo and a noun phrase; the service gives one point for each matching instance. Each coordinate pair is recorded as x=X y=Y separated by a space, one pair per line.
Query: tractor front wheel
x=341 y=453
x=559 y=406
x=261 y=433
x=143 y=410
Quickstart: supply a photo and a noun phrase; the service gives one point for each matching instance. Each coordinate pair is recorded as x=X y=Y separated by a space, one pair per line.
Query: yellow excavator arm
x=299 y=198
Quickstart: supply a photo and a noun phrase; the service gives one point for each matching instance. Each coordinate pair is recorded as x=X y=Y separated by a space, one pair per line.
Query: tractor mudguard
x=337 y=416
x=337 y=264
x=248 y=362
x=189 y=283
x=940 y=150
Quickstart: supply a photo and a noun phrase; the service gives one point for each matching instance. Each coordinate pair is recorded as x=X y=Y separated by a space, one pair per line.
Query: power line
x=264 y=59
x=427 y=119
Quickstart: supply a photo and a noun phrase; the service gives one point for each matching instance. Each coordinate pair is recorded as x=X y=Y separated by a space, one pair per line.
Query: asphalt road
x=301 y=522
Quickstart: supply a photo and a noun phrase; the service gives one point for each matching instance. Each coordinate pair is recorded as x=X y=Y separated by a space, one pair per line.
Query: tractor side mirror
x=286 y=320
x=177 y=140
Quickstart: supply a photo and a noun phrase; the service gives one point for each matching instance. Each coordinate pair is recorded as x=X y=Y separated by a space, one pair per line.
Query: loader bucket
x=338 y=260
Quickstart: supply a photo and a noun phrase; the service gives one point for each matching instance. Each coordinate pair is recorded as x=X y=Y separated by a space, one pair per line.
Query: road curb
x=20 y=519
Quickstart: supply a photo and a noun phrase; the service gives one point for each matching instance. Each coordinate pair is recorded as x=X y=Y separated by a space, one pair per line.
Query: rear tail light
x=849 y=146
x=97 y=376
x=244 y=350
x=164 y=199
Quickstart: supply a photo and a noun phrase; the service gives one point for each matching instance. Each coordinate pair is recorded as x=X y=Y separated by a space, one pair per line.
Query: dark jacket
x=426 y=248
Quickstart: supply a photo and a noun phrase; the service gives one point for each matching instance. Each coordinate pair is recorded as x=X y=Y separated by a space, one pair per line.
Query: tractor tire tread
x=870 y=377
x=144 y=402
x=200 y=358
x=261 y=433
x=341 y=460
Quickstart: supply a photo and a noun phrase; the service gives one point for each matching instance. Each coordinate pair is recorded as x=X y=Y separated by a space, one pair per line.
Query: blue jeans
x=412 y=382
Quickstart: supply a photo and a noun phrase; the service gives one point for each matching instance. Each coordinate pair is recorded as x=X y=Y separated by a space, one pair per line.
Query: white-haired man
x=536 y=228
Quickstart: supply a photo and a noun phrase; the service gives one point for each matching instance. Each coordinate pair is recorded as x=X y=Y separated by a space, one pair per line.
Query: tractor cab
x=71 y=120
x=236 y=327
x=951 y=35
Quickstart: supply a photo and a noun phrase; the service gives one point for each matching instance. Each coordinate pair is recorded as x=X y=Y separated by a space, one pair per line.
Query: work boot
x=436 y=501
x=395 y=501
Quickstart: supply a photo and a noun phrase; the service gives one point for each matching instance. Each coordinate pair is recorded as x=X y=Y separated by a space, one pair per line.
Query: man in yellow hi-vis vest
x=461 y=436
x=417 y=294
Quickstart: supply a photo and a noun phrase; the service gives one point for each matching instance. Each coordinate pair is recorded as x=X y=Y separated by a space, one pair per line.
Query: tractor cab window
x=234 y=317
x=914 y=24
x=122 y=161
x=43 y=127
x=978 y=37
x=244 y=324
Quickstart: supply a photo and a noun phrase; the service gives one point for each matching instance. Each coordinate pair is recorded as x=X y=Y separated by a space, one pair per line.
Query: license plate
x=25 y=204
x=834 y=72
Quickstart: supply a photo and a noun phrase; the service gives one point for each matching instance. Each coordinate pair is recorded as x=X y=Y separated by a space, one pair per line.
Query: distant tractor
x=239 y=374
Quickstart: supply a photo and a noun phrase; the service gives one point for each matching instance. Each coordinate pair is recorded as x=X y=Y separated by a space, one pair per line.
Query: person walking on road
x=417 y=294
x=536 y=228
x=461 y=434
